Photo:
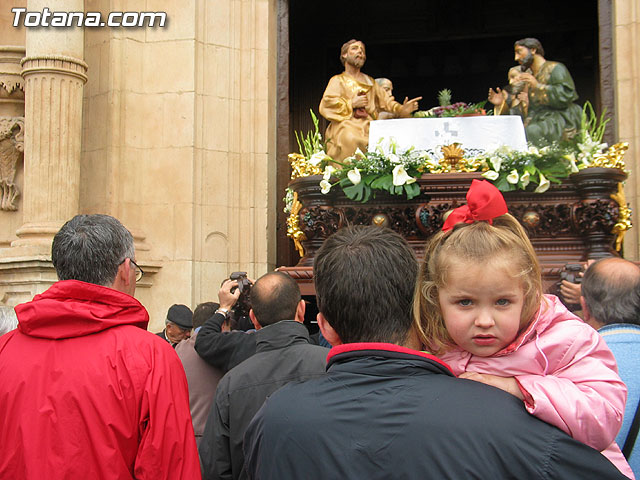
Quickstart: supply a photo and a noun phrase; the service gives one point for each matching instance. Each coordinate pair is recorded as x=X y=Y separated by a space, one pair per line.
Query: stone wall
x=177 y=143
x=627 y=62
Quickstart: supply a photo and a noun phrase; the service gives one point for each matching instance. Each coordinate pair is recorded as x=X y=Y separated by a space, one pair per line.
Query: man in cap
x=178 y=324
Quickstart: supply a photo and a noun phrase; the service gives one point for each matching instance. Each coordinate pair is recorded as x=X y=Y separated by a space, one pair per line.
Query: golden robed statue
x=351 y=100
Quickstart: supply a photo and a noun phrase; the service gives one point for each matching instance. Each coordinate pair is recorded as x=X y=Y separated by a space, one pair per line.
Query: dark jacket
x=283 y=355
x=384 y=411
x=224 y=350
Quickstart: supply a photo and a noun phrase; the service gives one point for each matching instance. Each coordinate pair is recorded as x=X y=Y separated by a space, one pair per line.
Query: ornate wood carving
x=569 y=223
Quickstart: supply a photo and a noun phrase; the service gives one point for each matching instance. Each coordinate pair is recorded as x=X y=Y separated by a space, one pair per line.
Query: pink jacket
x=567 y=373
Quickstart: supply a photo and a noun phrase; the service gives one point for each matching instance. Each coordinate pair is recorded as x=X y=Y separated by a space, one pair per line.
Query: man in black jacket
x=283 y=354
x=385 y=410
x=223 y=349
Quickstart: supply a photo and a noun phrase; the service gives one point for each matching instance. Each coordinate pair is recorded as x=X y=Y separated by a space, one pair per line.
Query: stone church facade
x=173 y=131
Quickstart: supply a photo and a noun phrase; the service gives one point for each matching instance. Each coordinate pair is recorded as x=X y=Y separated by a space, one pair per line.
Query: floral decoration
x=395 y=170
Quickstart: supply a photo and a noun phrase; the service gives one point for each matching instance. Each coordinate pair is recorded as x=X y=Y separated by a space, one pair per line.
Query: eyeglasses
x=139 y=271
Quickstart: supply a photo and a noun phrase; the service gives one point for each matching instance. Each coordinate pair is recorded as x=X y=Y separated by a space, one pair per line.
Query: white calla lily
x=393 y=158
x=325 y=186
x=359 y=153
x=401 y=177
x=544 y=184
x=574 y=167
x=491 y=175
x=317 y=157
x=328 y=171
x=524 y=179
x=533 y=150
x=354 y=176
x=513 y=177
x=496 y=162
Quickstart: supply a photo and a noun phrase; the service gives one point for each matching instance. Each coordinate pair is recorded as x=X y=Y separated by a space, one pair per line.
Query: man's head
x=204 y=312
x=365 y=277
x=611 y=292
x=386 y=85
x=353 y=53
x=95 y=249
x=525 y=49
x=178 y=323
x=275 y=297
x=8 y=319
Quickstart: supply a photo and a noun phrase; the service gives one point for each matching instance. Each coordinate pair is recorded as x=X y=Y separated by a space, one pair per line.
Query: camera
x=240 y=311
x=570 y=273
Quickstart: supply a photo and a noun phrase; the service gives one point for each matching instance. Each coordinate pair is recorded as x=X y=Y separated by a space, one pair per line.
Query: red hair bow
x=484 y=202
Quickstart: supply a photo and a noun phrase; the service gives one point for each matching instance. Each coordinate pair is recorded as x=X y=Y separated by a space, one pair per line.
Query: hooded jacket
x=87 y=392
x=567 y=374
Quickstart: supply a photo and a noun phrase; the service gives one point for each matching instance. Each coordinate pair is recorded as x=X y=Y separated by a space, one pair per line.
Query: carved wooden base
x=570 y=223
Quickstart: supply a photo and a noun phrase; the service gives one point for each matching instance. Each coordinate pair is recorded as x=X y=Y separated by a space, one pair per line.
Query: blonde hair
x=476 y=242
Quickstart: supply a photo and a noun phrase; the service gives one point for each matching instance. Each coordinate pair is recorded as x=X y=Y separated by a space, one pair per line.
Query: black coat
x=383 y=412
x=283 y=355
x=223 y=350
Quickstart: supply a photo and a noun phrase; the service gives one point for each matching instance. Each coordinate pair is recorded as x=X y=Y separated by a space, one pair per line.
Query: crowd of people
x=458 y=366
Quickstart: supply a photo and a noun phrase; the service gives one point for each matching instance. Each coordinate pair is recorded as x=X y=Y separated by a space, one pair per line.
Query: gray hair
x=90 y=248
x=8 y=319
x=611 y=291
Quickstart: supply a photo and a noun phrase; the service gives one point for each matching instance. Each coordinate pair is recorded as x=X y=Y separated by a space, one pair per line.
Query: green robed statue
x=552 y=114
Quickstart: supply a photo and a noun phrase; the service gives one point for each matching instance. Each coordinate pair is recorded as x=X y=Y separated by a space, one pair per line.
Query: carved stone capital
x=55 y=64
x=11 y=151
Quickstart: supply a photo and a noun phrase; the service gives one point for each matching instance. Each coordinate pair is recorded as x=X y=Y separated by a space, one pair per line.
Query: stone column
x=54 y=73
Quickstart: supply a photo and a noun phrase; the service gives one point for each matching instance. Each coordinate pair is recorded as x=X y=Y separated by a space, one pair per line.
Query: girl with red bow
x=479 y=306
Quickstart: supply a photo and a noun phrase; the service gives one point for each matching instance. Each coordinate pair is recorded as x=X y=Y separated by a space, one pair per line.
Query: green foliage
x=312 y=142
x=444 y=97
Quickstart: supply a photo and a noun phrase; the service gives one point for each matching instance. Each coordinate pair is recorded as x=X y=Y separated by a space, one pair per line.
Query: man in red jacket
x=85 y=390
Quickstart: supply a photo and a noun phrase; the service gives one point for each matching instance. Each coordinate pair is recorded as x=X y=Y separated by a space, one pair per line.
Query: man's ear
x=254 y=320
x=300 y=309
x=328 y=332
x=586 y=314
x=122 y=282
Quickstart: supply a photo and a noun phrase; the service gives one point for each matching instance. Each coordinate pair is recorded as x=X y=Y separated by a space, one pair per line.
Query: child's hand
x=508 y=384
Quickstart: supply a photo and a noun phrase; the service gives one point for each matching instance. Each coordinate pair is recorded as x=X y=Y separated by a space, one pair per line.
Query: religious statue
x=512 y=99
x=552 y=114
x=11 y=150
x=351 y=100
x=387 y=86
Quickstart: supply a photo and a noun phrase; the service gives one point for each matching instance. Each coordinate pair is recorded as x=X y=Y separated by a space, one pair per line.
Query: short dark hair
x=274 y=297
x=90 y=248
x=612 y=293
x=365 y=277
x=530 y=43
x=345 y=48
x=204 y=312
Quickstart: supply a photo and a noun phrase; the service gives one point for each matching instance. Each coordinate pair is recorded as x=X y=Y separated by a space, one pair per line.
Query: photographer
x=570 y=289
x=224 y=350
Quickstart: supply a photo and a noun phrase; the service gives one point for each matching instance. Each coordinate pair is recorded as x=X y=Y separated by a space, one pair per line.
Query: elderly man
x=611 y=304
x=178 y=324
x=283 y=355
x=201 y=377
x=552 y=114
x=385 y=410
x=351 y=100
x=86 y=391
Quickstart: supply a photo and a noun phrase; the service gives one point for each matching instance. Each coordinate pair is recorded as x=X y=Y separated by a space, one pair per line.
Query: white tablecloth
x=483 y=132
